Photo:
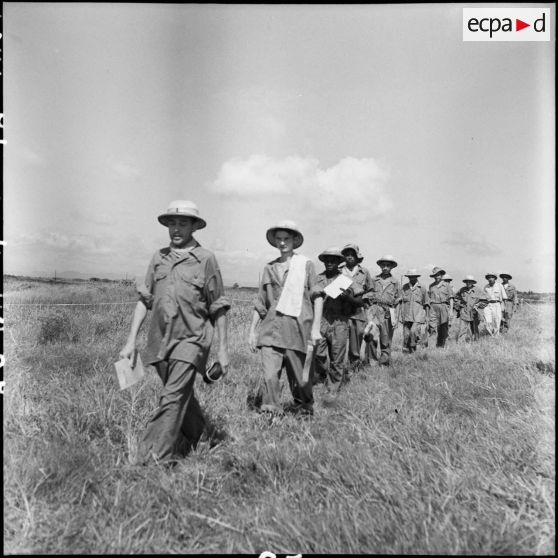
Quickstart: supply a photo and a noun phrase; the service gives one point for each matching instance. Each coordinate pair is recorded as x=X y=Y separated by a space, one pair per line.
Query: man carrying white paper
x=334 y=327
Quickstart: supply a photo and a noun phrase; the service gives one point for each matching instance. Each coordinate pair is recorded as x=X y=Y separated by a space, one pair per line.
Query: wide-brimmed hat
x=356 y=250
x=469 y=278
x=502 y=275
x=387 y=258
x=491 y=274
x=447 y=277
x=182 y=208
x=437 y=270
x=287 y=226
x=412 y=273
x=331 y=253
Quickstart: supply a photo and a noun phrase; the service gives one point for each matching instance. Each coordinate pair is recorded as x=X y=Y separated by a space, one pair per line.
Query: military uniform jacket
x=467 y=300
x=511 y=291
x=185 y=292
x=440 y=293
x=415 y=299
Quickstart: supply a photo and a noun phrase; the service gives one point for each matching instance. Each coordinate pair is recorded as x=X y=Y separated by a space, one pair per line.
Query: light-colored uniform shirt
x=185 y=291
x=415 y=299
x=440 y=293
x=496 y=292
x=279 y=330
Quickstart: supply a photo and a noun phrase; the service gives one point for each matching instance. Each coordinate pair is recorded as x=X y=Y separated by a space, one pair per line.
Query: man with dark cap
x=510 y=304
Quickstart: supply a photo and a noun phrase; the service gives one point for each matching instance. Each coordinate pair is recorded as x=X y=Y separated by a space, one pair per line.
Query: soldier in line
x=288 y=321
x=330 y=352
x=447 y=278
x=510 y=304
x=469 y=302
x=441 y=306
x=493 y=311
x=415 y=308
x=384 y=297
x=184 y=289
x=362 y=281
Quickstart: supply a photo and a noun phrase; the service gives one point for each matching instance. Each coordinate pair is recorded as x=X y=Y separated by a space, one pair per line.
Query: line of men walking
x=318 y=327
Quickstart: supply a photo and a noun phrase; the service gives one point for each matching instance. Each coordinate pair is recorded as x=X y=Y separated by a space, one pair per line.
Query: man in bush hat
x=441 y=306
x=384 y=297
x=469 y=301
x=184 y=289
x=334 y=326
x=510 y=304
x=496 y=296
x=362 y=281
x=415 y=307
x=288 y=321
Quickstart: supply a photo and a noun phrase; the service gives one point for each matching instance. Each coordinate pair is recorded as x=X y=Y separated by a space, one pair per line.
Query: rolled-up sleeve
x=145 y=289
x=262 y=304
x=214 y=289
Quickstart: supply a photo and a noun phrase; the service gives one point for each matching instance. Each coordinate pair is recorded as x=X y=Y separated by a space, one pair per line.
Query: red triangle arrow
x=519 y=25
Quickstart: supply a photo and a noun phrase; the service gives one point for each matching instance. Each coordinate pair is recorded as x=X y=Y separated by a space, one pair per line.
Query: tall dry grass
x=447 y=452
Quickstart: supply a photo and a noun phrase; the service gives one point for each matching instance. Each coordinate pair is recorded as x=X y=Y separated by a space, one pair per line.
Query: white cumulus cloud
x=351 y=189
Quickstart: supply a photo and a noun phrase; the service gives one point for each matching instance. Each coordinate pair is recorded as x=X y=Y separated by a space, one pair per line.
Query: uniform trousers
x=330 y=351
x=468 y=329
x=412 y=335
x=438 y=323
x=356 y=332
x=493 y=317
x=274 y=360
x=507 y=315
x=178 y=423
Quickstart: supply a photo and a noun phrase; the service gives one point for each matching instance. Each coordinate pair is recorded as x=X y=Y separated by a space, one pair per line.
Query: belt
x=493 y=301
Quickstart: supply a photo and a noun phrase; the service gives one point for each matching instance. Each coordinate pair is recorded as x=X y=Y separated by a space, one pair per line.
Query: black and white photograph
x=278 y=279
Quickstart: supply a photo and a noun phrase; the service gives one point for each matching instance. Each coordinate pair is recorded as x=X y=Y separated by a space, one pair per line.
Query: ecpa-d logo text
x=506 y=24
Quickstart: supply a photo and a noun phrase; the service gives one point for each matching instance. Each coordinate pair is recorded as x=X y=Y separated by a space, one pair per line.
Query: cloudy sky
x=369 y=124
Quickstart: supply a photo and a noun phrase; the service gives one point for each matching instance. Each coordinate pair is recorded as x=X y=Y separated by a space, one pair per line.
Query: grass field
x=449 y=451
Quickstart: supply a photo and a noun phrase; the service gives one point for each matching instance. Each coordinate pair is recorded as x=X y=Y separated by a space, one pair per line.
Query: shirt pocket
x=189 y=283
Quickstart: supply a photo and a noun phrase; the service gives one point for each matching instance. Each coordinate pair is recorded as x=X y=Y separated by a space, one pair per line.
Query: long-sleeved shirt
x=467 y=300
x=185 y=292
x=362 y=281
x=415 y=299
x=440 y=293
x=279 y=330
x=334 y=308
x=384 y=292
x=496 y=292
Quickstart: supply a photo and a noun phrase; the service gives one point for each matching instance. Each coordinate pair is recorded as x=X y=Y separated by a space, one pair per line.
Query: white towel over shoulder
x=290 y=301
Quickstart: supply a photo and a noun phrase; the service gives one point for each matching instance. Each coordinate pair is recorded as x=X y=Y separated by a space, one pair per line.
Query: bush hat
x=491 y=274
x=287 y=226
x=182 y=208
x=331 y=253
x=502 y=275
x=412 y=273
x=447 y=277
x=469 y=278
x=356 y=250
x=387 y=258
x=437 y=270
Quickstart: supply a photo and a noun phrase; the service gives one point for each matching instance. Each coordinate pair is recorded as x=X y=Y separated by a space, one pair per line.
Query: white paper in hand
x=333 y=290
x=127 y=374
